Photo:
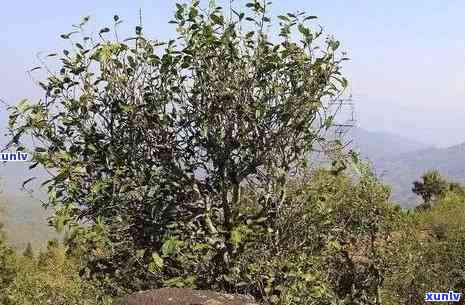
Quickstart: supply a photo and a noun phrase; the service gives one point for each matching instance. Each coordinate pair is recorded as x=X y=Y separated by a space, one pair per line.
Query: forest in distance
x=210 y=161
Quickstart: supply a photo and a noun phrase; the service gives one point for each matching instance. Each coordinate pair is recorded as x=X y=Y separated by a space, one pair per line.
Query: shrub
x=428 y=252
x=326 y=244
x=52 y=278
x=153 y=142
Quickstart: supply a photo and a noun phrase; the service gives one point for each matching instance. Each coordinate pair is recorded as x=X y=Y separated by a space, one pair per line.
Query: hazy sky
x=407 y=67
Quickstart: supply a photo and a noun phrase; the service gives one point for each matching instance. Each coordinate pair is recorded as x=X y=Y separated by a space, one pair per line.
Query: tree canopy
x=151 y=143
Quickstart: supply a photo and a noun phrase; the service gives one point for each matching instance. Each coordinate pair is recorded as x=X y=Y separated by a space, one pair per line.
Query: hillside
x=400 y=161
x=400 y=171
x=377 y=145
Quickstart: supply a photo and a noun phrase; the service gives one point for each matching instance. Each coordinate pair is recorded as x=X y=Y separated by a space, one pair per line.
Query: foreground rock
x=184 y=296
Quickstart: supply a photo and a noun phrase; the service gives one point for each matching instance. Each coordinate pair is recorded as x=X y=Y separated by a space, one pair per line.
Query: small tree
x=28 y=252
x=432 y=186
x=152 y=143
x=457 y=188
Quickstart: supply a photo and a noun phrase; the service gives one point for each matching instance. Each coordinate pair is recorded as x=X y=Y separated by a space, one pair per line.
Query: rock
x=184 y=296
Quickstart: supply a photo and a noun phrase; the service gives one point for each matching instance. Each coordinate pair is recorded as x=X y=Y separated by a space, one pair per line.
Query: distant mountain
x=377 y=145
x=399 y=161
x=450 y=161
x=400 y=171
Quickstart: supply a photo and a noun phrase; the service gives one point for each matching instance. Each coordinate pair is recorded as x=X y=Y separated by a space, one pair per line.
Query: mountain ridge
x=402 y=168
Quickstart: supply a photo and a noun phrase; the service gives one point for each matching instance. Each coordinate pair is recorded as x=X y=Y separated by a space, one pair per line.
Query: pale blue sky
x=408 y=57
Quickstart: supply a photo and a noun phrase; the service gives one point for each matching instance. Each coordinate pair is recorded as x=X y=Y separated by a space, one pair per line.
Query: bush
x=153 y=142
x=429 y=252
x=431 y=187
x=325 y=245
x=51 y=278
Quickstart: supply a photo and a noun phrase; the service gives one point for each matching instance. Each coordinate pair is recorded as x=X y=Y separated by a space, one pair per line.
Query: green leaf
x=156 y=264
x=23 y=105
x=200 y=246
x=179 y=7
x=140 y=253
x=217 y=19
x=236 y=236
x=328 y=121
x=27 y=181
x=59 y=223
x=193 y=13
x=302 y=29
x=127 y=108
x=34 y=69
x=34 y=165
x=85 y=20
x=334 y=44
x=310 y=17
x=170 y=246
x=104 y=30
x=67 y=36
x=174 y=282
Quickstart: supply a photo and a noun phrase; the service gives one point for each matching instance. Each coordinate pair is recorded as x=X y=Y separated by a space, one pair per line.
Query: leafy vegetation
x=429 y=252
x=154 y=149
x=432 y=186
x=49 y=278
x=185 y=164
x=401 y=169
